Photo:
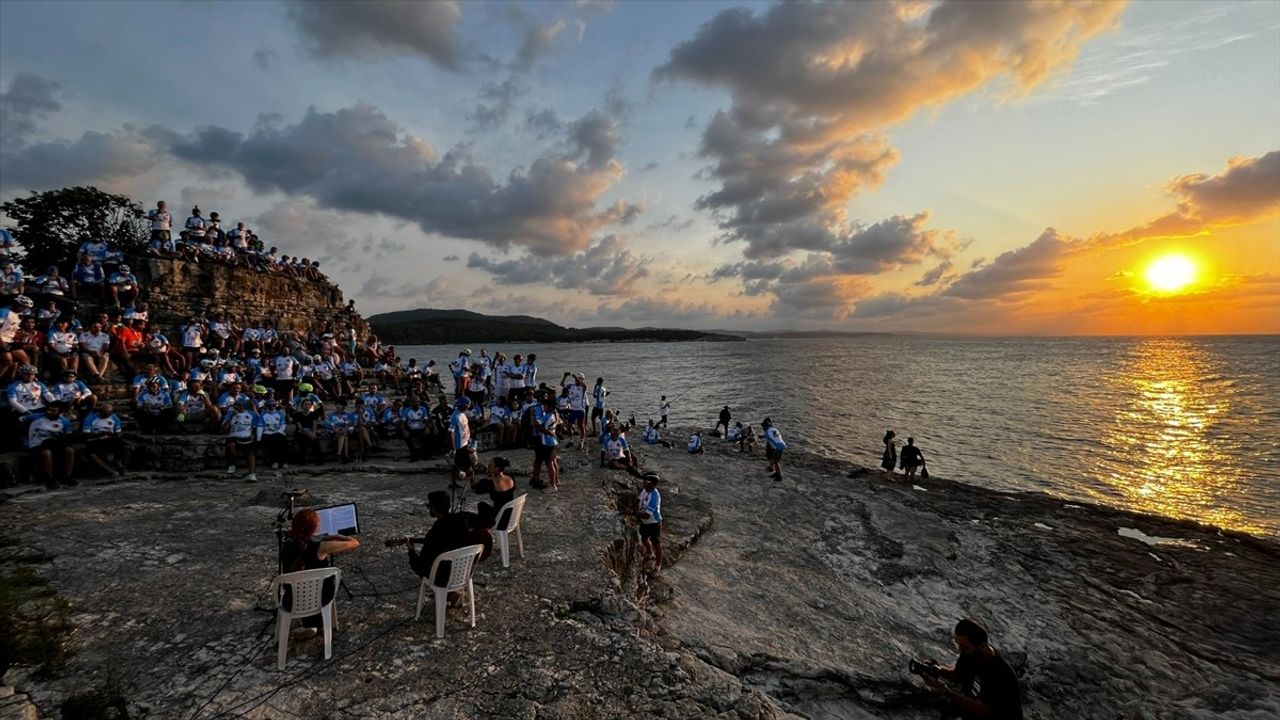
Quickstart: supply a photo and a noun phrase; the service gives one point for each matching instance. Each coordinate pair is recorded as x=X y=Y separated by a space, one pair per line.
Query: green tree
x=50 y=225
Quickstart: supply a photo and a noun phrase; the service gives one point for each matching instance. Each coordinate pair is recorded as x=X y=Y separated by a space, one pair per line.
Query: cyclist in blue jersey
x=774 y=446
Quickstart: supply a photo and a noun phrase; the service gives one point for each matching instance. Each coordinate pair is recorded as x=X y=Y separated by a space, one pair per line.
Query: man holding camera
x=988 y=685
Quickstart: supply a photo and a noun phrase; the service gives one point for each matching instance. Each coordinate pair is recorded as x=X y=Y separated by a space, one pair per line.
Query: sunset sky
x=925 y=166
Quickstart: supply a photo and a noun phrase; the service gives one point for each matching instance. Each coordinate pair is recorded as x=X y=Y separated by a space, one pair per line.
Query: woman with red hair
x=304 y=550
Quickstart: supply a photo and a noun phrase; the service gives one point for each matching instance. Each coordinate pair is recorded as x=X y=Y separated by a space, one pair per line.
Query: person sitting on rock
x=72 y=392
x=695 y=444
x=61 y=343
x=27 y=396
x=49 y=443
x=103 y=439
x=51 y=284
x=123 y=285
x=196 y=409
x=155 y=407
x=12 y=281
x=653 y=436
x=95 y=347
x=988 y=686
x=731 y=434
x=342 y=424
x=88 y=279
x=616 y=454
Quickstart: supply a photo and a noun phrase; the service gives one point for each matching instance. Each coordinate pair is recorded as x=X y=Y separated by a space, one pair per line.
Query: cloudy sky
x=933 y=166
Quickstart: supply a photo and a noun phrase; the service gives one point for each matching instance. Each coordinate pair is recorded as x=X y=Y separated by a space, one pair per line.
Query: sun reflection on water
x=1173 y=462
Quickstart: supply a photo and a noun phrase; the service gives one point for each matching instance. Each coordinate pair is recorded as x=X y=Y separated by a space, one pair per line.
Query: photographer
x=988 y=685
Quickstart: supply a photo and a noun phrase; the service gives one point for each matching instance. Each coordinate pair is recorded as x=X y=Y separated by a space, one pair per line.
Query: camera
x=924 y=669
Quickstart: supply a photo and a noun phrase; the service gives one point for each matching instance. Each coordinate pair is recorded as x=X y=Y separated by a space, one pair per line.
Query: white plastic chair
x=511 y=512
x=461 y=564
x=307 y=591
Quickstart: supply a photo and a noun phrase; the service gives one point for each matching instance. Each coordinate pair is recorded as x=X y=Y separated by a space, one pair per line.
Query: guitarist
x=450 y=531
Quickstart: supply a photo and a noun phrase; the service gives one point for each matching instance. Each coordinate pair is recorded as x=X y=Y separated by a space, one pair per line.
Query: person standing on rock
x=912 y=459
x=461 y=443
x=773 y=448
x=988 y=685
x=890 y=457
x=725 y=419
x=649 y=512
x=664 y=409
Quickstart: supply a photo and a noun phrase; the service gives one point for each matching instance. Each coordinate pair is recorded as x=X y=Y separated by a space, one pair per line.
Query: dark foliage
x=436 y=327
x=50 y=225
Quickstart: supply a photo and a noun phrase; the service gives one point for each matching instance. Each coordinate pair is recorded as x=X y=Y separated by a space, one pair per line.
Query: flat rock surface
x=799 y=598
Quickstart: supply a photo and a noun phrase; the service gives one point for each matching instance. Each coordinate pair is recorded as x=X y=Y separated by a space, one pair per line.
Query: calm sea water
x=1185 y=427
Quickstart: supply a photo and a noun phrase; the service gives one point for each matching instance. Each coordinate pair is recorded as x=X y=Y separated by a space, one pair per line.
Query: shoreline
x=800 y=597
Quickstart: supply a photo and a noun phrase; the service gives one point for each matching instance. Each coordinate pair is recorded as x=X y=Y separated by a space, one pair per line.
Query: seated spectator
x=49 y=442
x=74 y=394
x=28 y=343
x=136 y=311
x=308 y=412
x=695 y=444
x=196 y=411
x=615 y=453
x=223 y=335
x=234 y=394
x=27 y=395
x=123 y=285
x=342 y=424
x=51 y=284
x=390 y=422
x=6 y=244
x=155 y=407
x=88 y=280
x=63 y=345
x=128 y=343
x=95 y=347
x=48 y=315
x=98 y=250
x=104 y=441
x=12 y=282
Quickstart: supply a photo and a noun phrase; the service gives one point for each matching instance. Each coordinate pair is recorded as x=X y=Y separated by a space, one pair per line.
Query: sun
x=1171 y=273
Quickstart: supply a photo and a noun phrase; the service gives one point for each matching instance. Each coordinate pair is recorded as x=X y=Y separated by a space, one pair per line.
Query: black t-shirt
x=449 y=532
x=295 y=557
x=910 y=455
x=993 y=682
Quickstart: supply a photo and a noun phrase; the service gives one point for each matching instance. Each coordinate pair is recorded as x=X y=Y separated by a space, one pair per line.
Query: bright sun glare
x=1171 y=273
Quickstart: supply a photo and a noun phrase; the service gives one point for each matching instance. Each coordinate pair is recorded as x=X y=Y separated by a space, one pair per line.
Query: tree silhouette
x=50 y=225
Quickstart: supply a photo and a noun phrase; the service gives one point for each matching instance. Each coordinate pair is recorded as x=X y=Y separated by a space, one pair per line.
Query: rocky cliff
x=176 y=288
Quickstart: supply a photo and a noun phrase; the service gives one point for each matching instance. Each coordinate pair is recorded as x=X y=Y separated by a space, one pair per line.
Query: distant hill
x=800 y=333
x=442 y=327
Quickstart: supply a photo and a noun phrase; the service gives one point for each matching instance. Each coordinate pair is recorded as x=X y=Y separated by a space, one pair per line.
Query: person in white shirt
x=49 y=439
x=243 y=428
x=195 y=226
x=102 y=431
x=161 y=241
x=664 y=408
x=62 y=344
x=515 y=372
x=95 y=351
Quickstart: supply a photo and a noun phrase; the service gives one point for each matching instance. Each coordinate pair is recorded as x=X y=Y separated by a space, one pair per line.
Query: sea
x=1186 y=427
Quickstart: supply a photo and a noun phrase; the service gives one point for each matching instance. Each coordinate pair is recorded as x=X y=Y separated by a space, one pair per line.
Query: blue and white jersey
x=306 y=403
x=415 y=416
x=285 y=367
x=274 y=421
x=577 y=397
x=226 y=377
x=154 y=402
x=95 y=249
x=198 y=374
x=190 y=403
x=349 y=369
x=367 y=415
x=340 y=420
x=651 y=503
x=616 y=448
x=549 y=421
x=228 y=399
x=52 y=285
x=71 y=392
x=124 y=281
x=62 y=342
x=91 y=274
x=195 y=226
x=14 y=278
x=373 y=399
x=563 y=403
x=460 y=431
x=140 y=381
x=25 y=397
x=516 y=373
x=497 y=413
x=98 y=424
x=242 y=425
x=6 y=242
x=774 y=438
x=193 y=335
x=531 y=374
x=695 y=443
x=598 y=394
x=651 y=435
x=43 y=428
x=389 y=418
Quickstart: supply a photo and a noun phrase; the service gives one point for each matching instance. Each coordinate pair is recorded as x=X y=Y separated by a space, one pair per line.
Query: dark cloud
x=649 y=166
x=813 y=83
x=672 y=224
x=439 y=289
x=660 y=311
x=1018 y=271
x=28 y=99
x=607 y=267
x=497 y=100
x=110 y=160
x=346 y=28
x=210 y=199
x=451 y=258
x=264 y=58
x=360 y=160
x=935 y=274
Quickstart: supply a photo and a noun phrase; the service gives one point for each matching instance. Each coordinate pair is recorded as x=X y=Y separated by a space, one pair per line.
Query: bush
x=50 y=225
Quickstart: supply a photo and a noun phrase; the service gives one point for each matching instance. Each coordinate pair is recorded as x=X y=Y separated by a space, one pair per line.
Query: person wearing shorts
x=461 y=442
x=649 y=512
x=773 y=448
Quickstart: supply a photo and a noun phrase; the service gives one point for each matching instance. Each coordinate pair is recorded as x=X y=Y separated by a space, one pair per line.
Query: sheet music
x=338 y=520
